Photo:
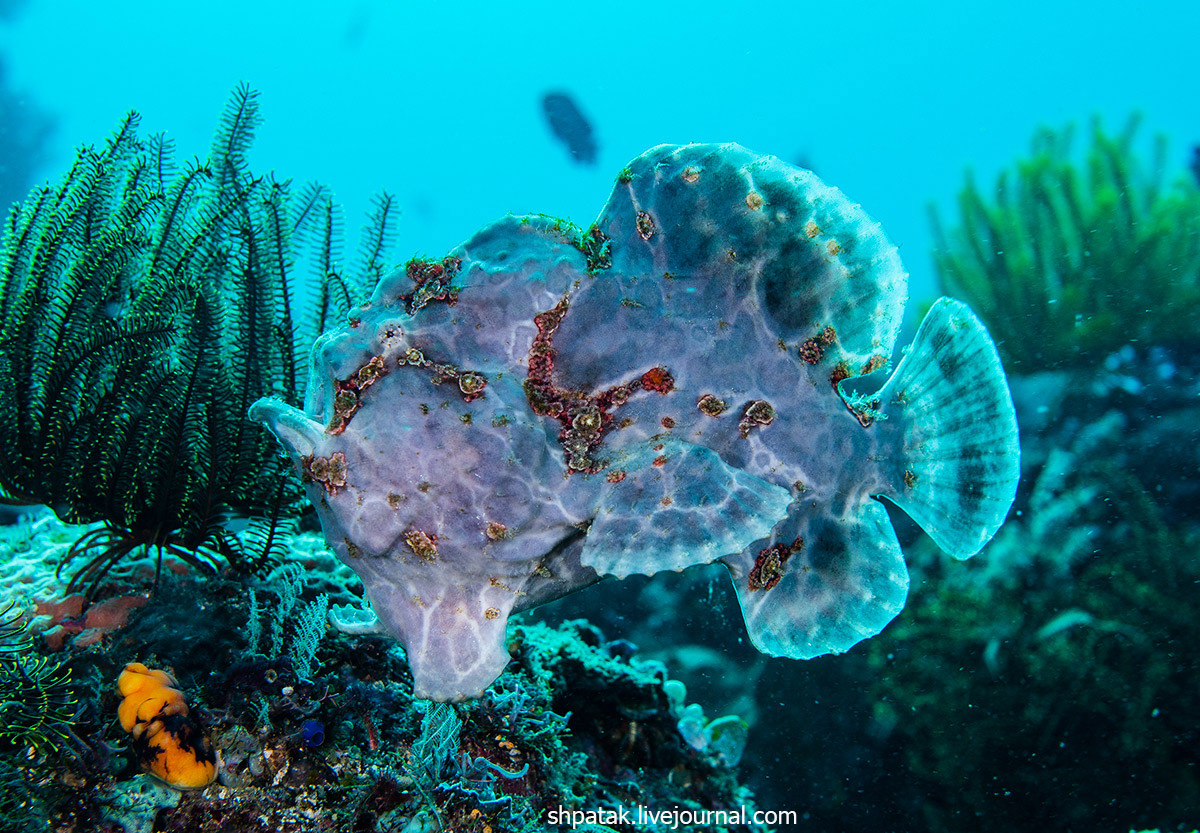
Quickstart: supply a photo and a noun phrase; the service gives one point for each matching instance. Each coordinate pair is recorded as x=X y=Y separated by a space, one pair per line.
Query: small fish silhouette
x=571 y=127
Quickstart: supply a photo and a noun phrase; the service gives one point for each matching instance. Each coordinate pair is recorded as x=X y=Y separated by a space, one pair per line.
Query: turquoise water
x=1051 y=681
x=439 y=103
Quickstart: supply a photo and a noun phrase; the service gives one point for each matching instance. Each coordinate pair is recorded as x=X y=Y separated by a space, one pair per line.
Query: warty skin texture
x=665 y=391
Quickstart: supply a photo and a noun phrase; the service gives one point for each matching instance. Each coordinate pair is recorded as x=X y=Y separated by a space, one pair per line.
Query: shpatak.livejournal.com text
x=675 y=818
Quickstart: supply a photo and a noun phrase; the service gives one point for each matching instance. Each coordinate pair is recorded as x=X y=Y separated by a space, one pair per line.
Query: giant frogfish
x=678 y=384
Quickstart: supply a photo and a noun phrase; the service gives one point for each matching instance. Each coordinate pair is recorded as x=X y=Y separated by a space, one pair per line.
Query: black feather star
x=143 y=309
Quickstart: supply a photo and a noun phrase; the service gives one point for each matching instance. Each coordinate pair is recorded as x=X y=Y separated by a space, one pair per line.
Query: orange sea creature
x=168 y=742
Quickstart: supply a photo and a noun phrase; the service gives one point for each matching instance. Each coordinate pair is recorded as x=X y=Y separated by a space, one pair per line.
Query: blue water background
x=439 y=103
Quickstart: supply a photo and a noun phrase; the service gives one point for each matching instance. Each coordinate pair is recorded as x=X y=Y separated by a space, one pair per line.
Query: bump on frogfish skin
x=543 y=408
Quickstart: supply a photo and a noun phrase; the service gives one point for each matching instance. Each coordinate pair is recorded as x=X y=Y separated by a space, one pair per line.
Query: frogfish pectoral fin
x=822 y=583
x=670 y=505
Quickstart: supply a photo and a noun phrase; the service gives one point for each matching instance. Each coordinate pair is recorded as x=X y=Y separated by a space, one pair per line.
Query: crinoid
x=37 y=707
x=1066 y=259
x=143 y=308
x=260 y=544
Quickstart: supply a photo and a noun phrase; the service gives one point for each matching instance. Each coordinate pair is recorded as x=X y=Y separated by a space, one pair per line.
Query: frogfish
x=678 y=384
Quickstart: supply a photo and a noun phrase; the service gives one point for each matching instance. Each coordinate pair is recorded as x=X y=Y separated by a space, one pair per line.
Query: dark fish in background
x=570 y=126
x=1195 y=166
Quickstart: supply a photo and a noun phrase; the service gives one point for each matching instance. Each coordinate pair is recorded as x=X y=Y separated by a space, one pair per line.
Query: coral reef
x=1060 y=662
x=544 y=407
x=1065 y=262
x=576 y=722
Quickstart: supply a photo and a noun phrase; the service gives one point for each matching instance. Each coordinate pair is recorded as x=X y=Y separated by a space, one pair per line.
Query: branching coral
x=1065 y=263
x=142 y=309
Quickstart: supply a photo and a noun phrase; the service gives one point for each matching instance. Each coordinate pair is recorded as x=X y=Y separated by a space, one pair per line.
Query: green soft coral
x=1065 y=261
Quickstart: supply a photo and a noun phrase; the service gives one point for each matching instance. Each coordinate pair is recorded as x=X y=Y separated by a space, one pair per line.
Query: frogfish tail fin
x=950 y=432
